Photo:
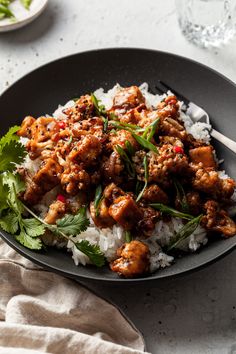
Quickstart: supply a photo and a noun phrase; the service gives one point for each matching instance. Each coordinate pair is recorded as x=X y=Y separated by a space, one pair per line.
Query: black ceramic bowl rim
x=157 y=275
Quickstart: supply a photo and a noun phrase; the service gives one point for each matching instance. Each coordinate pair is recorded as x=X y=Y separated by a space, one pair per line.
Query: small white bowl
x=23 y=16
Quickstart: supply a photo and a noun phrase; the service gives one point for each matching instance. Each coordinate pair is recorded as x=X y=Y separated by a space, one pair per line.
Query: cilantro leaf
x=12 y=153
x=9 y=223
x=92 y=251
x=33 y=227
x=28 y=241
x=13 y=181
x=11 y=150
x=9 y=136
x=72 y=224
x=4 y=192
x=15 y=185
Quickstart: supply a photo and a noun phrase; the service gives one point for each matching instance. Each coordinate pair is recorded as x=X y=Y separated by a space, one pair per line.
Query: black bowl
x=43 y=89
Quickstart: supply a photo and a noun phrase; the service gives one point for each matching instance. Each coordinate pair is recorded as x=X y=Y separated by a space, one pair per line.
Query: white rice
x=110 y=239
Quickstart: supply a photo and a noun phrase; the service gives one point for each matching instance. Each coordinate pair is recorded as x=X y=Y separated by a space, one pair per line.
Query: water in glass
x=207 y=22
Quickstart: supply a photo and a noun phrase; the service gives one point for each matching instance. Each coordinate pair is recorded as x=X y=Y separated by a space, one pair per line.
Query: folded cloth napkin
x=42 y=312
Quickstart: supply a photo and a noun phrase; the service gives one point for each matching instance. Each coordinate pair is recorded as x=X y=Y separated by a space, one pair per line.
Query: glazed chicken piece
x=120 y=137
x=83 y=109
x=169 y=107
x=101 y=218
x=169 y=160
x=148 y=222
x=217 y=219
x=125 y=212
x=39 y=133
x=193 y=203
x=209 y=182
x=93 y=126
x=87 y=150
x=171 y=140
x=154 y=194
x=75 y=178
x=171 y=127
x=56 y=211
x=203 y=155
x=25 y=129
x=47 y=177
x=133 y=259
x=144 y=117
x=40 y=130
x=127 y=98
x=33 y=192
x=112 y=192
x=113 y=168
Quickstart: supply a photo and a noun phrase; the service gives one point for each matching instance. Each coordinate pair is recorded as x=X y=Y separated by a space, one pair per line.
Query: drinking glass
x=207 y=22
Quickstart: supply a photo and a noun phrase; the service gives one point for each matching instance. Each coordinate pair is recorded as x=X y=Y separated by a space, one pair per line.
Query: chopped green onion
x=145 y=163
x=128 y=163
x=98 y=198
x=170 y=211
x=181 y=196
x=105 y=121
x=129 y=148
x=153 y=129
x=70 y=140
x=145 y=143
x=138 y=187
x=5 y=12
x=184 y=232
x=128 y=237
x=142 y=141
x=26 y=3
x=126 y=126
x=99 y=108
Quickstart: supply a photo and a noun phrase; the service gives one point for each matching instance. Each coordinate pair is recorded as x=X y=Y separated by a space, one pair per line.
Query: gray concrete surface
x=193 y=314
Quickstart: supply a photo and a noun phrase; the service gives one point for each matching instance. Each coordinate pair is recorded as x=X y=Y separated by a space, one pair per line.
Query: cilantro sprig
x=12 y=152
x=28 y=229
x=72 y=225
x=93 y=252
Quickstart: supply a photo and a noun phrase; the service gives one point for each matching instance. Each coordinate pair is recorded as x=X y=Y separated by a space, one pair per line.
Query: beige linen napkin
x=42 y=312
